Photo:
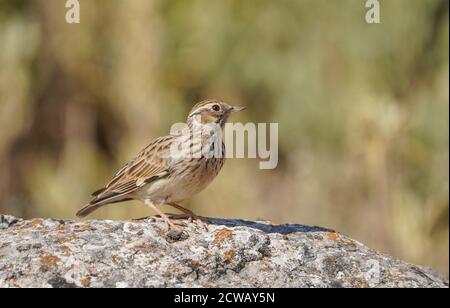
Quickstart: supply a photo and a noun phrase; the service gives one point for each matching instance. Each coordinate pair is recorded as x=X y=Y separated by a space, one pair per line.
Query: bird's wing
x=152 y=163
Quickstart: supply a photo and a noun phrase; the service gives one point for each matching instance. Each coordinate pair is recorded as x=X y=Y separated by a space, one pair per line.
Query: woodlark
x=174 y=167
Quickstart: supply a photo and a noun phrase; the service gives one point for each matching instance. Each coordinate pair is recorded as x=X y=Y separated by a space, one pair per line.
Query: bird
x=172 y=168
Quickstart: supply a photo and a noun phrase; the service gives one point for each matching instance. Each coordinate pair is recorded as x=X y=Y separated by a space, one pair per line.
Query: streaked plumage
x=156 y=176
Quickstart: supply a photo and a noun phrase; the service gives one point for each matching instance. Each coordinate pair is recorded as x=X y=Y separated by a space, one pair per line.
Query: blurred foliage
x=363 y=109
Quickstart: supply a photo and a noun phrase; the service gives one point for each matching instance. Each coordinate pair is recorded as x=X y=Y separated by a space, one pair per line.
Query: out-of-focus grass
x=362 y=109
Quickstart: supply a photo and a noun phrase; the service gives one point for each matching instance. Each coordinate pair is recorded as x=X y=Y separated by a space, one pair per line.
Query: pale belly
x=177 y=188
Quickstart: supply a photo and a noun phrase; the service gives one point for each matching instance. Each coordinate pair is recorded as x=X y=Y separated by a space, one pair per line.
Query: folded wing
x=151 y=164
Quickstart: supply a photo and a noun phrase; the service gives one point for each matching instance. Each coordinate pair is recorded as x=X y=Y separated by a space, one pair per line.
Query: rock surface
x=232 y=253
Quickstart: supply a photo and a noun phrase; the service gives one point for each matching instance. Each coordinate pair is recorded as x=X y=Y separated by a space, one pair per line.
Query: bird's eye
x=216 y=107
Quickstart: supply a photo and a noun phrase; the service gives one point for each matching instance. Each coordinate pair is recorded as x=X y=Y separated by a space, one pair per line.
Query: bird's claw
x=191 y=218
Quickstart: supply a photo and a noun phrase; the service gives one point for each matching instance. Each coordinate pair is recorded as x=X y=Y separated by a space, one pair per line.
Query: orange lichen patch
x=195 y=263
x=49 y=262
x=170 y=267
x=228 y=255
x=36 y=222
x=359 y=283
x=221 y=236
x=330 y=259
x=333 y=236
x=82 y=227
x=208 y=254
x=61 y=228
x=114 y=258
x=266 y=269
x=86 y=282
x=66 y=252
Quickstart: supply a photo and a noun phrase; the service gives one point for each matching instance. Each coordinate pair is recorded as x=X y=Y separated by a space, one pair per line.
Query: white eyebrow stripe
x=198 y=110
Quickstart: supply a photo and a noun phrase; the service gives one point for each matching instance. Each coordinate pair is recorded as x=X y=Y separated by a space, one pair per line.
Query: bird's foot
x=170 y=225
x=190 y=217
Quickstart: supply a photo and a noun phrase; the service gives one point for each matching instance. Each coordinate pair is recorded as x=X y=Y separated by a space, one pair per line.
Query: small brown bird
x=174 y=167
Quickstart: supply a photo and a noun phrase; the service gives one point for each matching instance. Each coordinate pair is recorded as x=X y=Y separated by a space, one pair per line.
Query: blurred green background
x=362 y=109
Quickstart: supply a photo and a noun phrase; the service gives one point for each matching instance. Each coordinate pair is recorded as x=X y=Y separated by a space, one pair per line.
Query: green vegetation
x=363 y=109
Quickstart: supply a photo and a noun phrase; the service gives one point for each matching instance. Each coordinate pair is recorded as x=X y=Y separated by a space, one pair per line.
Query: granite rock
x=231 y=253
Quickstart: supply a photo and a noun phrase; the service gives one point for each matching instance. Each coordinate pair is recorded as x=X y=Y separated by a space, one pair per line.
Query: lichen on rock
x=231 y=253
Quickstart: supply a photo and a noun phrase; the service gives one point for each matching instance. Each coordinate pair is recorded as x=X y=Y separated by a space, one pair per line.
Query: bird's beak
x=237 y=108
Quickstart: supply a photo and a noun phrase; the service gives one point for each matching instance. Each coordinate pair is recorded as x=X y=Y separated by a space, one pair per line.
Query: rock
x=231 y=253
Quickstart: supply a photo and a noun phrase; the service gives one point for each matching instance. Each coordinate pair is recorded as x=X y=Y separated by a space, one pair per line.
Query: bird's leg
x=156 y=217
x=187 y=214
x=183 y=209
x=169 y=224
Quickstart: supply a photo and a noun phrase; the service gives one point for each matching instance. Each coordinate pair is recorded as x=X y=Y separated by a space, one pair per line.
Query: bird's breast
x=186 y=179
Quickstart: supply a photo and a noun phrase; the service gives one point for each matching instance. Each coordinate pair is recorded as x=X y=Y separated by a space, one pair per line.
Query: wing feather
x=151 y=163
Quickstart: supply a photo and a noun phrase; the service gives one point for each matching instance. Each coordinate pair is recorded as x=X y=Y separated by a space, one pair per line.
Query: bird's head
x=211 y=112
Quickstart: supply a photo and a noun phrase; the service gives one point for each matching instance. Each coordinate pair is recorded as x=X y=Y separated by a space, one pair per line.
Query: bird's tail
x=98 y=202
x=88 y=209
